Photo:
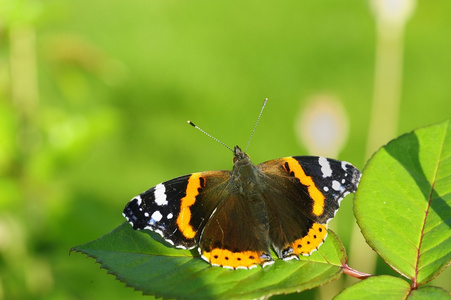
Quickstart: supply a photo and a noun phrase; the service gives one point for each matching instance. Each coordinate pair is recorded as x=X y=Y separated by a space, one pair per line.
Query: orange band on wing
x=315 y=194
x=227 y=258
x=184 y=218
x=314 y=238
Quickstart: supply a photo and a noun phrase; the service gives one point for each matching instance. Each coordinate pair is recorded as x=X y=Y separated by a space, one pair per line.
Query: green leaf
x=379 y=286
x=142 y=261
x=403 y=204
x=429 y=292
x=389 y=287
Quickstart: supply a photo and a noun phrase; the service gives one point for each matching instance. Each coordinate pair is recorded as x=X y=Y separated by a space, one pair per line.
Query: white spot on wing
x=325 y=167
x=160 y=195
x=344 y=165
x=169 y=241
x=336 y=185
x=311 y=252
x=266 y=263
x=156 y=217
x=181 y=247
x=291 y=257
x=158 y=231
x=138 y=198
x=169 y=216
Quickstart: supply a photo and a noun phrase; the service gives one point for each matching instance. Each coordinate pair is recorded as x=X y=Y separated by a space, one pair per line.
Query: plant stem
x=354 y=273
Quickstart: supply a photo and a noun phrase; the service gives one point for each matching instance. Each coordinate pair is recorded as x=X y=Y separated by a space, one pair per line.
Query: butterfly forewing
x=333 y=179
x=179 y=208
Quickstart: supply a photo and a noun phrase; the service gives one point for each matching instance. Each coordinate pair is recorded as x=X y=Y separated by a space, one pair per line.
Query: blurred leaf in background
x=94 y=97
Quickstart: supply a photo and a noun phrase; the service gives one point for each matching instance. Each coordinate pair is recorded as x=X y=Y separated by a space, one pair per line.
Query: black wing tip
x=134 y=215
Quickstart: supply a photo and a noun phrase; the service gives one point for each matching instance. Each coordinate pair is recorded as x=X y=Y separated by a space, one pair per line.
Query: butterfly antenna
x=255 y=126
x=209 y=135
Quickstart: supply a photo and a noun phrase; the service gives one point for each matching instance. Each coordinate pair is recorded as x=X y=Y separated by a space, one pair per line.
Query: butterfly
x=236 y=217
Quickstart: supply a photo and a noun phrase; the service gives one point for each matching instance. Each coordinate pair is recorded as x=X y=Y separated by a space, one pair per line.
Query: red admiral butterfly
x=236 y=217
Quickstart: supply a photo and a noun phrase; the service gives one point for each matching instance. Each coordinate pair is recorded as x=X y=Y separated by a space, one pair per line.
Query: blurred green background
x=94 y=96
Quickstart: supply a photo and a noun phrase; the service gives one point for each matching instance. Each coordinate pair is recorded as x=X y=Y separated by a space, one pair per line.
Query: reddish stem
x=354 y=273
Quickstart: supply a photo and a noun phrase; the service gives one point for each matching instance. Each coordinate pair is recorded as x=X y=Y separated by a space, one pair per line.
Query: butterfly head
x=240 y=156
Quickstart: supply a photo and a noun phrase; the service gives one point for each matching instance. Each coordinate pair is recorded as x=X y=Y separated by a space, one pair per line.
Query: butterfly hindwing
x=236 y=235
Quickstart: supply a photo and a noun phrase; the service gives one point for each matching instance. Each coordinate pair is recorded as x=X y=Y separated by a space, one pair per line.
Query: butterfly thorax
x=245 y=175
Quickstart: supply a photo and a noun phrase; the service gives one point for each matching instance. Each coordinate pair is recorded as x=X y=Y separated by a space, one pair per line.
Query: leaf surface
x=403 y=204
x=389 y=287
x=144 y=262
